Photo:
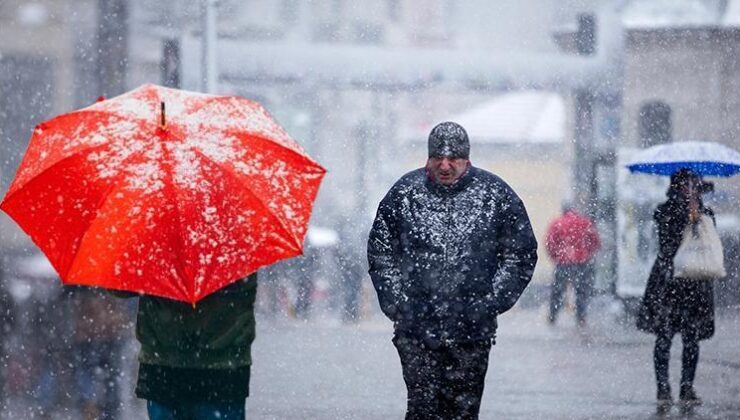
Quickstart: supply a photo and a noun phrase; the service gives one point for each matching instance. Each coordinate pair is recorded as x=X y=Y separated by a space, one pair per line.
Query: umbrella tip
x=100 y=99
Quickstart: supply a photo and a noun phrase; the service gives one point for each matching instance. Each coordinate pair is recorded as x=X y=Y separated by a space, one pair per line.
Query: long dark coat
x=446 y=261
x=675 y=305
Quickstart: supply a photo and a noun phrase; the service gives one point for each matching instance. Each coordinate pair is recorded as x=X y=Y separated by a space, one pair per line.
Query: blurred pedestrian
x=303 y=271
x=673 y=304
x=46 y=343
x=7 y=324
x=572 y=242
x=450 y=249
x=352 y=272
x=195 y=360
x=98 y=339
x=271 y=290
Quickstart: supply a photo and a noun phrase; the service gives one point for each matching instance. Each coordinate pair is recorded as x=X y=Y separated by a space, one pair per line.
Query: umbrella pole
x=163 y=123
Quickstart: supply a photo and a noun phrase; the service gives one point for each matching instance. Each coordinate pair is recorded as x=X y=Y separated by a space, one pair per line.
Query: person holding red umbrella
x=195 y=362
x=179 y=197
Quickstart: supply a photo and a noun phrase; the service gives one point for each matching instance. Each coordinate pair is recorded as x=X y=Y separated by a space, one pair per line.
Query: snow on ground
x=323 y=369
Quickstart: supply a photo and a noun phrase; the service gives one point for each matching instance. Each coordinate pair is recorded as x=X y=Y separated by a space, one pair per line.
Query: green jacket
x=216 y=334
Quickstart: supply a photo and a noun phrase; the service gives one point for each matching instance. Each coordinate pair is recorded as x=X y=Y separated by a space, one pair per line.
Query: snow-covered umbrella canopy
x=120 y=196
x=704 y=158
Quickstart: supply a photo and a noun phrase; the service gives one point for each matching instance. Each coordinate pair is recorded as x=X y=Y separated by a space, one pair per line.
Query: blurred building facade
x=682 y=74
x=682 y=77
x=680 y=81
x=59 y=55
x=55 y=56
x=353 y=131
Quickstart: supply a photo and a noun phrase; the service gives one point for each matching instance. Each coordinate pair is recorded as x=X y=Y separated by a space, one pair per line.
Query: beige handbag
x=700 y=255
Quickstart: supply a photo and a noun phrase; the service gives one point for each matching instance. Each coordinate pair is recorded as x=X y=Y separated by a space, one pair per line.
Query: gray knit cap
x=449 y=139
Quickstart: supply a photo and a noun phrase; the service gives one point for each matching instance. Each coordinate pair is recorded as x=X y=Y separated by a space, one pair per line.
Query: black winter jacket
x=673 y=305
x=446 y=260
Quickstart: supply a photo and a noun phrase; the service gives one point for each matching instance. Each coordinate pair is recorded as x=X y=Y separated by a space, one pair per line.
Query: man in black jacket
x=451 y=248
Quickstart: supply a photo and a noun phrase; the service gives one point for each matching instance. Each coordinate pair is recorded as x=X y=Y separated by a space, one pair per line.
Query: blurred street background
x=326 y=369
x=556 y=96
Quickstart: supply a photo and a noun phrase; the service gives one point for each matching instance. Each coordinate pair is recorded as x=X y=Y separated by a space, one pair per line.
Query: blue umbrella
x=704 y=158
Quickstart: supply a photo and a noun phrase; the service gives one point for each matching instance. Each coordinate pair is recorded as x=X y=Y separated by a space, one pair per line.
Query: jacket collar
x=447 y=190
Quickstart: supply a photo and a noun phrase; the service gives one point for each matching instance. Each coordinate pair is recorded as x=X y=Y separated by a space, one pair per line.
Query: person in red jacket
x=572 y=241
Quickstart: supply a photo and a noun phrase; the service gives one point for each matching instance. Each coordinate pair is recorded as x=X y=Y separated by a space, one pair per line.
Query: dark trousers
x=689 y=360
x=582 y=278
x=352 y=289
x=196 y=411
x=444 y=383
x=96 y=374
x=304 y=284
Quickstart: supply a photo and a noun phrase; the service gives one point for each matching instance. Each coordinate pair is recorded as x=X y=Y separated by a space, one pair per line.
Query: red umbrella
x=123 y=196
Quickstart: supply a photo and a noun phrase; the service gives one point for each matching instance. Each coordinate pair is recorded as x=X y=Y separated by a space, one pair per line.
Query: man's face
x=447 y=170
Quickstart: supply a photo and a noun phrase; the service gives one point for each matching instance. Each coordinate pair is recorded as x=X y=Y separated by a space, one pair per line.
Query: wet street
x=325 y=370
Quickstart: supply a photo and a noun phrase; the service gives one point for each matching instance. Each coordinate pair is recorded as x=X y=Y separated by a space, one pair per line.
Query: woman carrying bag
x=679 y=297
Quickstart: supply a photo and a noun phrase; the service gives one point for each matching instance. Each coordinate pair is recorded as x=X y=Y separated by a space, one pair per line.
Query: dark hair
x=680 y=178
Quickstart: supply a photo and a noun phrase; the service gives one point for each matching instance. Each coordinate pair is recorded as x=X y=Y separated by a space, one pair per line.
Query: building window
x=655 y=123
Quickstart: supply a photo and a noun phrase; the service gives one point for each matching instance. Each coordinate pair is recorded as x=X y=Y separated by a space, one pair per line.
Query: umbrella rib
x=240 y=132
x=77 y=152
x=16 y=188
x=178 y=251
x=113 y=187
x=281 y=224
x=299 y=155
